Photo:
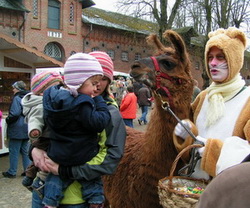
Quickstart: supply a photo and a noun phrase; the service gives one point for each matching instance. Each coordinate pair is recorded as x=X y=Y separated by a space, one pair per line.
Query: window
x=53 y=50
x=71 y=14
x=137 y=56
x=95 y=49
x=54 y=14
x=111 y=53
x=35 y=8
x=124 y=56
x=197 y=65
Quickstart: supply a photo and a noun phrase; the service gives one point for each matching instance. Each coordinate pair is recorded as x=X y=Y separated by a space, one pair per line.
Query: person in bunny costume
x=220 y=116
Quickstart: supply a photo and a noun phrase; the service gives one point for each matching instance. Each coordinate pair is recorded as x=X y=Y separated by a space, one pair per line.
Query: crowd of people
x=73 y=128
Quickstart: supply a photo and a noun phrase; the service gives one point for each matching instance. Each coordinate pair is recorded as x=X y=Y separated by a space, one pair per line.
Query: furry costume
x=236 y=119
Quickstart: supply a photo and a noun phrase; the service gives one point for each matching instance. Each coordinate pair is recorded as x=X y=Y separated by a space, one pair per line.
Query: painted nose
x=214 y=62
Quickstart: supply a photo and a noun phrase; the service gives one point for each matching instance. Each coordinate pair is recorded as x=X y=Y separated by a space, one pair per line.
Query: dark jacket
x=74 y=123
x=110 y=153
x=16 y=127
x=143 y=96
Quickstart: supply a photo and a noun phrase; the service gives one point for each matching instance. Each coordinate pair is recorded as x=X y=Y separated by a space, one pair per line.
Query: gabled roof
x=19 y=51
x=13 y=5
x=118 y=21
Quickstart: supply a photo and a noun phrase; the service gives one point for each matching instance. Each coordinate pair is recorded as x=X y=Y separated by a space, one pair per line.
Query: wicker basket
x=172 y=198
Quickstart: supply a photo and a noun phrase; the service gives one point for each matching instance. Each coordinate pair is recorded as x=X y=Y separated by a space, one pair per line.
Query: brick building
x=60 y=28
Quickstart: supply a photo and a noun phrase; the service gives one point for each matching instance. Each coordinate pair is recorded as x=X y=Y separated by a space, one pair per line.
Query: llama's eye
x=168 y=65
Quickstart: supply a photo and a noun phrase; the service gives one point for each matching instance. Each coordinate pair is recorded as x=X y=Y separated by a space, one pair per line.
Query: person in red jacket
x=128 y=107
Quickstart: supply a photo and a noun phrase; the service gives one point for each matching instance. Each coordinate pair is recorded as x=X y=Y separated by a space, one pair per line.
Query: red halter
x=160 y=75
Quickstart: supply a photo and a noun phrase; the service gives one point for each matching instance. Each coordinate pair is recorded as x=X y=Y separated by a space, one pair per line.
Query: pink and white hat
x=78 y=68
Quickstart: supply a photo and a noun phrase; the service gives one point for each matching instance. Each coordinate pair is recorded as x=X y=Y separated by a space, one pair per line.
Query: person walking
x=196 y=90
x=144 y=101
x=128 y=107
x=17 y=132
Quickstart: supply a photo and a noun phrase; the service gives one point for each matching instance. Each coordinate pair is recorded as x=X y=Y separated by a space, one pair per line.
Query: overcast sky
x=106 y=4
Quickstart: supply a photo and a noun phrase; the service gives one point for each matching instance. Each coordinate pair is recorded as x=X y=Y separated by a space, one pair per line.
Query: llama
x=148 y=156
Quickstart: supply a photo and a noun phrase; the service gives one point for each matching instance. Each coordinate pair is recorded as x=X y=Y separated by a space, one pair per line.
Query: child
x=74 y=117
x=33 y=112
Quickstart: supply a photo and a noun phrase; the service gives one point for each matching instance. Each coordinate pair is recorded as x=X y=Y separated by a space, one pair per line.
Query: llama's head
x=167 y=73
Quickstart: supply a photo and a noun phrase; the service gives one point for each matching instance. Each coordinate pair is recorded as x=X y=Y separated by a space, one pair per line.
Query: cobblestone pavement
x=13 y=194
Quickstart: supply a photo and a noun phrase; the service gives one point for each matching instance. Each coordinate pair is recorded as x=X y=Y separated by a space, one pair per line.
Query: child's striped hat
x=78 y=68
x=44 y=80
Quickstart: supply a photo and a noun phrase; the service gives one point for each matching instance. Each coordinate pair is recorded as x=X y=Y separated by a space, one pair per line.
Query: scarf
x=218 y=94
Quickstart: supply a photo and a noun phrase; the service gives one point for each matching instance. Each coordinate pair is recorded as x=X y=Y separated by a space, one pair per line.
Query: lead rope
x=188 y=169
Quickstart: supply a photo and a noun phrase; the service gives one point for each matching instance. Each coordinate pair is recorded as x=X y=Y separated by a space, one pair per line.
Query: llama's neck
x=159 y=133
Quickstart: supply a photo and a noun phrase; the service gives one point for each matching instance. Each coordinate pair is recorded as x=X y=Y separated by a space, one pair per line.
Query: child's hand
x=35 y=133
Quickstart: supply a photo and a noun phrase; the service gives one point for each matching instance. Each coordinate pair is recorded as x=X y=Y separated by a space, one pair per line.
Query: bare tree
x=159 y=11
x=240 y=12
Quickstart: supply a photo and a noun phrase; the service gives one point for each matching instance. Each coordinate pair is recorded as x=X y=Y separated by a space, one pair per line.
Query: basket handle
x=179 y=156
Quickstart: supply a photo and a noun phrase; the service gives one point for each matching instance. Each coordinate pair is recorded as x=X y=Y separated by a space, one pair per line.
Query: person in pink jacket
x=128 y=107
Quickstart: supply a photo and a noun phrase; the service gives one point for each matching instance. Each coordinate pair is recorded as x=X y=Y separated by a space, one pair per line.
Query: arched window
x=35 y=8
x=53 y=50
x=54 y=14
x=71 y=14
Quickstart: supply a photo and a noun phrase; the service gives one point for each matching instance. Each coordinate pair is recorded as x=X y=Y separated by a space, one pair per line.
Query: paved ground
x=13 y=194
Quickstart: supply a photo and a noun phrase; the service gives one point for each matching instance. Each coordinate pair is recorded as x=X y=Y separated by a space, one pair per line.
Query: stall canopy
x=16 y=50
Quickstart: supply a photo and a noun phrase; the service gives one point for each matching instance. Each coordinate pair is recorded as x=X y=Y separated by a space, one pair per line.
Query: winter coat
x=144 y=96
x=235 y=122
x=16 y=127
x=33 y=112
x=230 y=189
x=128 y=106
x=74 y=123
x=105 y=162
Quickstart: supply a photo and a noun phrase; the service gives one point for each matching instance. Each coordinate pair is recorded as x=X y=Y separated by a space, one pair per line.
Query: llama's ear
x=153 y=40
x=177 y=43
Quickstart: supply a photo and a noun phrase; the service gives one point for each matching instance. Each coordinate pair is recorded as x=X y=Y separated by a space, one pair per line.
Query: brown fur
x=148 y=156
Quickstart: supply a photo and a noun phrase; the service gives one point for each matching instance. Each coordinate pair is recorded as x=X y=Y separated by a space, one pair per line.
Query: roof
x=13 y=5
x=19 y=51
x=118 y=21
x=87 y=3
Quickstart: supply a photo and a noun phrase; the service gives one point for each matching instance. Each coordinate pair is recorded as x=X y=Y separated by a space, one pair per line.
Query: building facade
x=60 y=28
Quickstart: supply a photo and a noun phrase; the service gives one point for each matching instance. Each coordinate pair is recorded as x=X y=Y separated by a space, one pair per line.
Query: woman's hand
x=38 y=159
x=181 y=131
x=52 y=166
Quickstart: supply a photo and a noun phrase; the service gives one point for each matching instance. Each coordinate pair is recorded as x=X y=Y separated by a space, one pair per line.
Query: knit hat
x=106 y=63
x=19 y=85
x=232 y=42
x=78 y=68
x=43 y=80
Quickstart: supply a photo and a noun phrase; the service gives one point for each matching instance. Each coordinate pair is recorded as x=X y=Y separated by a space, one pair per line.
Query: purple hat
x=78 y=68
